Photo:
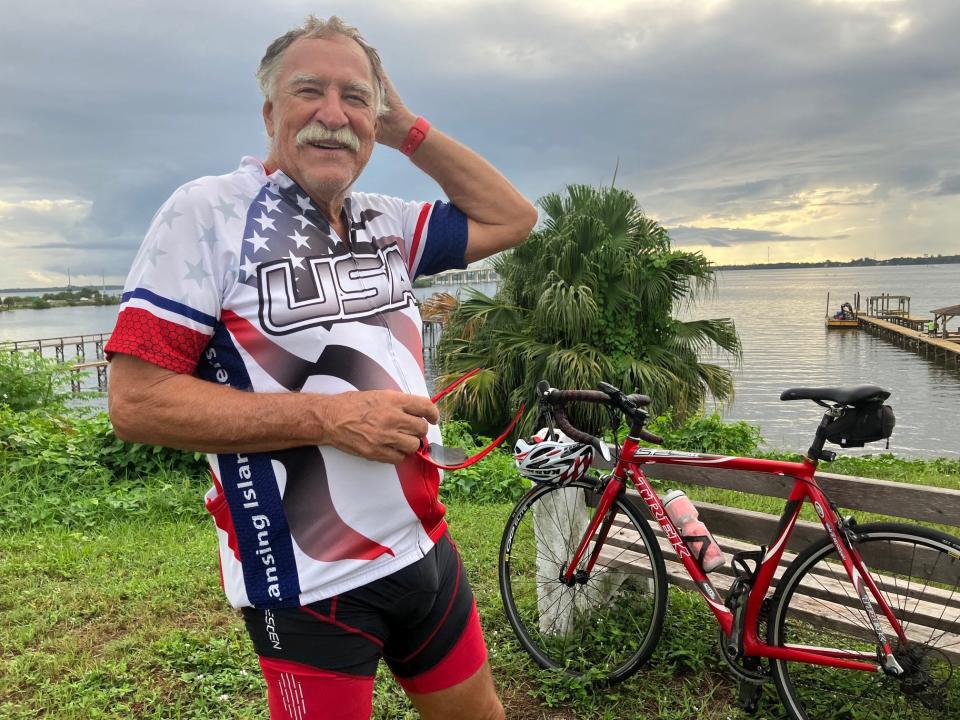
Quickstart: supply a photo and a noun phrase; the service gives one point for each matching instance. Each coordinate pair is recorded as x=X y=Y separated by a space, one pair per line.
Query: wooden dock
x=74 y=351
x=78 y=343
x=888 y=316
x=904 y=332
x=83 y=370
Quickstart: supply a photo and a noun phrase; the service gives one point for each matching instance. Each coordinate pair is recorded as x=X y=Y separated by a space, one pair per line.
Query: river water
x=779 y=316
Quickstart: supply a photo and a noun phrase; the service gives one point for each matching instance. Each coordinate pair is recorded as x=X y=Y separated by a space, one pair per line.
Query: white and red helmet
x=552 y=457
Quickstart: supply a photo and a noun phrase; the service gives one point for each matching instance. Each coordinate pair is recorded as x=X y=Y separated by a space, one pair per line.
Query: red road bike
x=864 y=623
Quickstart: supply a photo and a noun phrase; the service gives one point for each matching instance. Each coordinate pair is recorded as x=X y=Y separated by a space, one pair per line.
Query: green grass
x=111 y=605
x=129 y=621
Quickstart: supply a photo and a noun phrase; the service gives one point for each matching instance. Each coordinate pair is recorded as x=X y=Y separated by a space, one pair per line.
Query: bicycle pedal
x=749 y=695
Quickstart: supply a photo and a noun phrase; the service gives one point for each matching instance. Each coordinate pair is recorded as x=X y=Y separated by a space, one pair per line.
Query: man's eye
x=359 y=99
x=308 y=91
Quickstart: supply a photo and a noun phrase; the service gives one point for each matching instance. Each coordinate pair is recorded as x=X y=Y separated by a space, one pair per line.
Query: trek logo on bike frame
x=660 y=515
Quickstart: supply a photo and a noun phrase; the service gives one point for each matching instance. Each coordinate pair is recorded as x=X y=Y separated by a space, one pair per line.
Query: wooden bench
x=827 y=601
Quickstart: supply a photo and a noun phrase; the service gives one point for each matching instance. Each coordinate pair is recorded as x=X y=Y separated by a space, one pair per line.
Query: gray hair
x=314 y=27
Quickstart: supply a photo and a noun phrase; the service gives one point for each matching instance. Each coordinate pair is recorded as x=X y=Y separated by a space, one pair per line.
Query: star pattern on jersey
x=304 y=222
x=168 y=215
x=231 y=269
x=265 y=222
x=283 y=224
x=300 y=240
x=248 y=270
x=243 y=198
x=258 y=242
x=271 y=204
x=196 y=272
x=297 y=262
x=227 y=209
x=153 y=253
x=208 y=235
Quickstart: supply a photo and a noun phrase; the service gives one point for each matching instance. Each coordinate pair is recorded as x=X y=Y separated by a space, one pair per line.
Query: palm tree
x=591 y=296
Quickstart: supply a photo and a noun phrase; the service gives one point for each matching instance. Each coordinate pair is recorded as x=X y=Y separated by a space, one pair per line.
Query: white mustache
x=317 y=133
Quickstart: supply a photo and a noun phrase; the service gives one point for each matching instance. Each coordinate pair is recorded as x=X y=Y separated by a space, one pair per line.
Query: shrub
x=28 y=380
x=493 y=479
x=66 y=467
x=707 y=434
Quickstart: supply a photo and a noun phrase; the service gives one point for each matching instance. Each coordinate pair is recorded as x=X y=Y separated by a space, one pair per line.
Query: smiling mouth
x=329 y=146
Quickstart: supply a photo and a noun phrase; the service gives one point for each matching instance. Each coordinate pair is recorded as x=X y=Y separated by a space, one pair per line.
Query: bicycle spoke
x=605 y=621
x=816 y=604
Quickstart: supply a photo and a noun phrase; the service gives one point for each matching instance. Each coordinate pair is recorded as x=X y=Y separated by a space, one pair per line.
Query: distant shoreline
x=62 y=288
x=861 y=262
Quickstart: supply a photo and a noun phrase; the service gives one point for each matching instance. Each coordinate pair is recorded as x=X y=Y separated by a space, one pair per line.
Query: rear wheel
x=918 y=571
x=606 y=623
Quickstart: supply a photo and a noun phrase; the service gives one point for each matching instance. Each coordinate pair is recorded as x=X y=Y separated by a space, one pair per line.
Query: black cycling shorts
x=422 y=620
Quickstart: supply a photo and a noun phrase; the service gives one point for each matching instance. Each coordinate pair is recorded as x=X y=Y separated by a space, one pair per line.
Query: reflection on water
x=779 y=316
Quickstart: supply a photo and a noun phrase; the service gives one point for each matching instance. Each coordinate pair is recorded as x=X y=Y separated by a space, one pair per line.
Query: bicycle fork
x=864 y=585
x=600 y=525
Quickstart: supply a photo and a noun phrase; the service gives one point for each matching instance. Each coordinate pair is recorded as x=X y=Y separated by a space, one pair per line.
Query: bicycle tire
x=603 y=628
x=912 y=565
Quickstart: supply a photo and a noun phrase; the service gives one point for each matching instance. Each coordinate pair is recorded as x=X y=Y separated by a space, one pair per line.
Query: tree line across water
x=65 y=298
x=859 y=262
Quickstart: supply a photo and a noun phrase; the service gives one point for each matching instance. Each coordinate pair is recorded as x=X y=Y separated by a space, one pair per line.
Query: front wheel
x=918 y=572
x=607 y=622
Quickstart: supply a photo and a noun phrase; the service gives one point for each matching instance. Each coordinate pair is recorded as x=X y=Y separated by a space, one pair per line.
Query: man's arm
x=498 y=216
x=149 y=404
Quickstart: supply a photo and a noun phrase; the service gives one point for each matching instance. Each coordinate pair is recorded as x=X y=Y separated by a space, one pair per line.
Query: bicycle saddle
x=852 y=395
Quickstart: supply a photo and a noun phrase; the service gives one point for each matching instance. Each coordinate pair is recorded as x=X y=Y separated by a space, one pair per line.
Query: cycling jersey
x=241 y=281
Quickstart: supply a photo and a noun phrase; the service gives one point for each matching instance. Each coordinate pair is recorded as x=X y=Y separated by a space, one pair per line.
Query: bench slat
x=884 y=497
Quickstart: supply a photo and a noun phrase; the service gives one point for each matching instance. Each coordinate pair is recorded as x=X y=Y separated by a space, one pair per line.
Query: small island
x=64 y=298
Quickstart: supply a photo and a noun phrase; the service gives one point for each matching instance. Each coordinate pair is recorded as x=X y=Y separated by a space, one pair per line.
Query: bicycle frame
x=629 y=469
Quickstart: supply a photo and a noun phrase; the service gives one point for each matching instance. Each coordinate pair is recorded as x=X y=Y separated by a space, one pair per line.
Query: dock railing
x=58 y=348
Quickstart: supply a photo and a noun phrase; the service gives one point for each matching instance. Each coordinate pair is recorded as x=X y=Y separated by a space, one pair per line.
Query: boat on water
x=845 y=317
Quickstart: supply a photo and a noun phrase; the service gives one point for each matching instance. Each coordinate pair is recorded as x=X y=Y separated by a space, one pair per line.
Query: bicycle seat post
x=816 y=453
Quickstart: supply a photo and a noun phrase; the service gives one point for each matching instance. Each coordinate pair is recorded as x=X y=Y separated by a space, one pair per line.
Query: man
x=268 y=320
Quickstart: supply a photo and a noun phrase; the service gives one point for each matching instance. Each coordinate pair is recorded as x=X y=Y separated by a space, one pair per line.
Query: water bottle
x=693 y=532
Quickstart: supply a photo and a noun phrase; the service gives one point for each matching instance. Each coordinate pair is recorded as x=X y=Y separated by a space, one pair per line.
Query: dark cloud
x=728 y=237
x=739 y=109
x=950 y=185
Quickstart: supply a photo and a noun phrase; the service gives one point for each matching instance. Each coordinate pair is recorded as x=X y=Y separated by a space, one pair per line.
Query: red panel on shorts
x=300 y=692
x=466 y=657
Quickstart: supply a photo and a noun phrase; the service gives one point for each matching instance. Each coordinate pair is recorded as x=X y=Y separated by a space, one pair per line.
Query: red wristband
x=416 y=136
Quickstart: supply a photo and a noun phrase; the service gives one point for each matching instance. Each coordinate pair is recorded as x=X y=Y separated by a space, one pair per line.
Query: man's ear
x=268 y=117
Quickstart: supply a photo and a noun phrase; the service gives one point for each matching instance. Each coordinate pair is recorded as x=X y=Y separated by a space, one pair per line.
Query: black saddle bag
x=861 y=425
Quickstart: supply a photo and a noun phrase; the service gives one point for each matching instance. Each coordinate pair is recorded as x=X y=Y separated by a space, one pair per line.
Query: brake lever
x=602 y=448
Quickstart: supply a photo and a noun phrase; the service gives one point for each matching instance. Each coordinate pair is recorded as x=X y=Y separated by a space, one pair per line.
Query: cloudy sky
x=751 y=129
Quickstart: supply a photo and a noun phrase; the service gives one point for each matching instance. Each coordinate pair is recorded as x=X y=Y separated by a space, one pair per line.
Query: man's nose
x=330 y=112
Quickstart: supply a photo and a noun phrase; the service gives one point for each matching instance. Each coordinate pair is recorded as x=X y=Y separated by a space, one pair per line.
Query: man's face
x=326 y=82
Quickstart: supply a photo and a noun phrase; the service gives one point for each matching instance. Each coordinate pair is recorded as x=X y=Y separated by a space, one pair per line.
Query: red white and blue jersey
x=241 y=281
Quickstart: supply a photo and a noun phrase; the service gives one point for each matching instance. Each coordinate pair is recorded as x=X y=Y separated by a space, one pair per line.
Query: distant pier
x=888 y=316
x=84 y=353
x=904 y=332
